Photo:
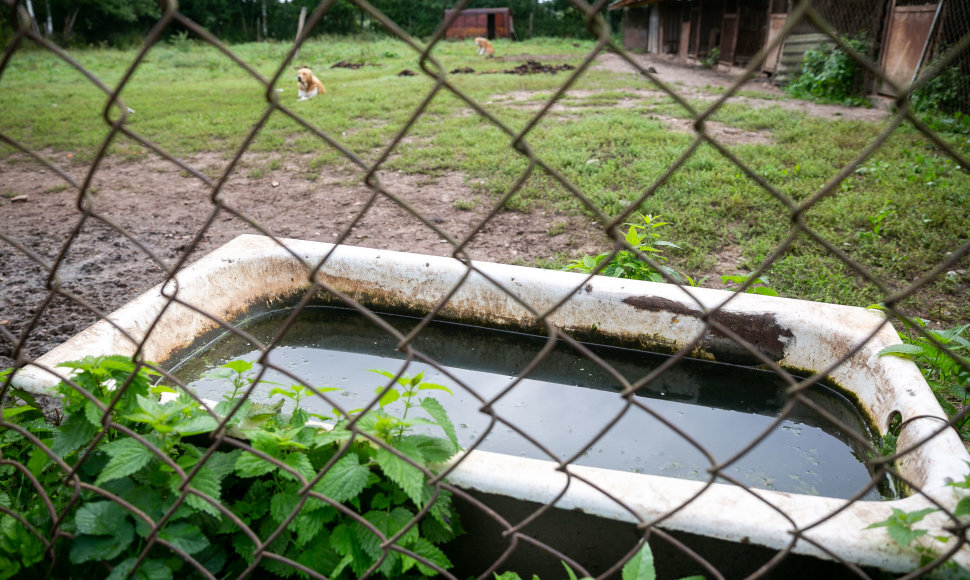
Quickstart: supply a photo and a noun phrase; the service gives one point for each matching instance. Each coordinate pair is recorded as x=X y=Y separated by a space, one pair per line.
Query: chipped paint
x=761 y=330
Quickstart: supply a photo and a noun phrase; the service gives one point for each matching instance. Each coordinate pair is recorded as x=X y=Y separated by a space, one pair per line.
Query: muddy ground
x=165 y=209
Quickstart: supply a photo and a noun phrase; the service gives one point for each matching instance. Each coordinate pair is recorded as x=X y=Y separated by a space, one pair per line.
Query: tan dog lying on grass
x=485 y=47
x=308 y=85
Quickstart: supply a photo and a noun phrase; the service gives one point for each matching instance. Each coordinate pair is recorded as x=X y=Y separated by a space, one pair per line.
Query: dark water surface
x=568 y=400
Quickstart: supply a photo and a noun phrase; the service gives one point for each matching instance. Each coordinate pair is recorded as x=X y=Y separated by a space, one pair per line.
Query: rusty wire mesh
x=513 y=532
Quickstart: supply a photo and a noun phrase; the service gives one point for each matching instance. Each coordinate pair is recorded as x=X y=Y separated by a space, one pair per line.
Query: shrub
x=830 y=75
x=136 y=492
x=944 y=93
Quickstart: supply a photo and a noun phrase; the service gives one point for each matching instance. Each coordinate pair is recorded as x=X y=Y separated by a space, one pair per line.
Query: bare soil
x=174 y=219
x=164 y=209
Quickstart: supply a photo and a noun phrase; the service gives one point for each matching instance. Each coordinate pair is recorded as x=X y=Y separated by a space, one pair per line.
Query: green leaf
x=408 y=477
x=963 y=507
x=345 y=479
x=258 y=413
x=93 y=413
x=184 y=536
x=8 y=568
x=127 y=456
x=300 y=463
x=337 y=435
x=222 y=464
x=388 y=523
x=268 y=443
x=320 y=558
x=640 y=566
x=902 y=350
x=249 y=465
x=238 y=365
x=22 y=394
x=310 y=523
x=434 y=387
x=102 y=518
x=343 y=563
x=282 y=504
x=16 y=539
x=433 y=449
x=288 y=393
x=38 y=460
x=199 y=423
x=903 y=535
x=343 y=542
x=438 y=413
x=299 y=418
x=150 y=407
x=899 y=525
x=430 y=552
x=370 y=542
x=148 y=570
x=208 y=482
x=12 y=412
x=570 y=573
x=87 y=548
x=389 y=397
x=387 y=374
x=220 y=373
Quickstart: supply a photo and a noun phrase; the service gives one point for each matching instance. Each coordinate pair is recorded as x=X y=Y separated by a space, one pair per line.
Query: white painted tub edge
x=251 y=269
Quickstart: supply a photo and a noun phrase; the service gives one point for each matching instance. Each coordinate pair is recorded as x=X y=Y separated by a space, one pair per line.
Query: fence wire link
x=835 y=19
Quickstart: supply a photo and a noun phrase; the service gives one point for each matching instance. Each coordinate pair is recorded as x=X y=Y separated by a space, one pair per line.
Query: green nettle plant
x=830 y=75
x=901 y=527
x=757 y=285
x=712 y=58
x=946 y=371
x=625 y=264
x=942 y=93
x=126 y=486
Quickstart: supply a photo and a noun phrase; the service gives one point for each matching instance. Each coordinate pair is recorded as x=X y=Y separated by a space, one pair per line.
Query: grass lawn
x=896 y=216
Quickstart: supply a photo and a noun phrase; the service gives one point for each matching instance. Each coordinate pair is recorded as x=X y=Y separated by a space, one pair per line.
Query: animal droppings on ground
x=526 y=68
x=351 y=65
x=532 y=67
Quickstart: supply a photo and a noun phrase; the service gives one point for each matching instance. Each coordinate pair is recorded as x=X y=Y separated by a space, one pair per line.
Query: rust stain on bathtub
x=761 y=330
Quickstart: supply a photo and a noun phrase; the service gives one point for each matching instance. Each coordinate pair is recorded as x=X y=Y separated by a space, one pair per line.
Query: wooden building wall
x=485 y=22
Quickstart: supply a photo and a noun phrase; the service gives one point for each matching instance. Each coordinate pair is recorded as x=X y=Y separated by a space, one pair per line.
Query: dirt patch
x=724 y=134
x=165 y=208
x=697 y=83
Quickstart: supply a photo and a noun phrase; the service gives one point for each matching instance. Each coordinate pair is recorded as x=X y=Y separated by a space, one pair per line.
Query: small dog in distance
x=485 y=47
x=308 y=85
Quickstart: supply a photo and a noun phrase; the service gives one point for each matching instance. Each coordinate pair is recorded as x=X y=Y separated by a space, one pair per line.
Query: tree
x=113 y=21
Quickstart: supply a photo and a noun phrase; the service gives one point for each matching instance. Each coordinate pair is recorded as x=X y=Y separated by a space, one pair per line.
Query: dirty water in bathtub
x=566 y=401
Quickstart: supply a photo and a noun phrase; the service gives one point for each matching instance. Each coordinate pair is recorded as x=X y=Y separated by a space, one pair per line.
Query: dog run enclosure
x=521 y=526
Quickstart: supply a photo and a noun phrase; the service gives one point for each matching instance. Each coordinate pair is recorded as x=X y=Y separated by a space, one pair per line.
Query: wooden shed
x=487 y=22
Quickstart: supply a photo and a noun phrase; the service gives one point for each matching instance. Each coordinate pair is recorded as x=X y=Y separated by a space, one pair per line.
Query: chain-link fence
x=115 y=478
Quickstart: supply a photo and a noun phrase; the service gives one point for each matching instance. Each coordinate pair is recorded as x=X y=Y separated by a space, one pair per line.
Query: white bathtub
x=254 y=271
